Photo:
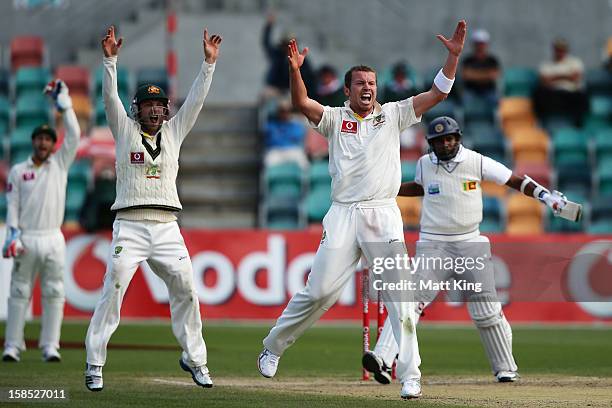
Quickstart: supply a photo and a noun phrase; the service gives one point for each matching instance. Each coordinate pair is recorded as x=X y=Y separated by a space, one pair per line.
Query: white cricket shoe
x=200 y=375
x=375 y=365
x=507 y=376
x=11 y=354
x=93 y=377
x=51 y=355
x=267 y=363
x=411 y=388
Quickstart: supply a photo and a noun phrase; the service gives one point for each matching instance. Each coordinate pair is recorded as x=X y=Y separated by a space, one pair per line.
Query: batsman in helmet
x=448 y=178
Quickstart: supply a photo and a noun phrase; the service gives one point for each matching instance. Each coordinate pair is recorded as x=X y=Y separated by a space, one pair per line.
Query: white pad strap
x=443 y=83
x=538 y=189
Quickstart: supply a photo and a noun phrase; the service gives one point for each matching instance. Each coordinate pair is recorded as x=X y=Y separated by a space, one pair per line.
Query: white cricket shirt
x=364 y=153
x=36 y=195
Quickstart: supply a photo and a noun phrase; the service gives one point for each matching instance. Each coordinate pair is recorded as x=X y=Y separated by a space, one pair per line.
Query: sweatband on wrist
x=443 y=83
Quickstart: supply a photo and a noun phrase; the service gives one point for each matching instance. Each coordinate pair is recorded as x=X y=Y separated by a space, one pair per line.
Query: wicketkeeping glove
x=58 y=91
x=12 y=245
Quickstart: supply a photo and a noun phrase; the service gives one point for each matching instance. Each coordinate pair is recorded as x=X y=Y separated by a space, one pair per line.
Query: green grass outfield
x=150 y=377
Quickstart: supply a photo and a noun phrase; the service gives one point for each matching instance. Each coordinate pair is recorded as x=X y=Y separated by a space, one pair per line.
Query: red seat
x=76 y=77
x=26 y=51
x=539 y=171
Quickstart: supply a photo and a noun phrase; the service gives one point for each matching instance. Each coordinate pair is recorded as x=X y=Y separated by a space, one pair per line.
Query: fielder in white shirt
x=36 y=196
x=364 y=164
x=145 y=228
x=448 y=179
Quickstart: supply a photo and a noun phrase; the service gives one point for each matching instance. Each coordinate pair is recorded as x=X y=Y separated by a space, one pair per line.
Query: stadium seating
x=32 y=111
x=26 y=51
x=530 y=145
x=4 y=82
x=519 y=81
x=570 y=145
x=283 y=181
x=31 y=81
x=492 y=215
x=76 y=77
x=445 y=108
x=123 y=81
x=524 y=215
x=539 y=171
x=604 y=175
x=602 y=141
x=2 y=206
x=574 y=178
x=479 y=109
x=601 y=216
x=20 y=144
x=493 y=189
x=319 y=175
x=516 y=112
x=408 y=170
x=156 y=76
x=83 y=109
x=282 y=214
x=5 y=115
x=492 y=145
x=598 y=82
x=317 y=203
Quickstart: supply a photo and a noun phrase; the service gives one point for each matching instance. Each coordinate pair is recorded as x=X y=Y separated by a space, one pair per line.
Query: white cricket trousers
x=162 y=246
x=350 y=230
x=45 y=254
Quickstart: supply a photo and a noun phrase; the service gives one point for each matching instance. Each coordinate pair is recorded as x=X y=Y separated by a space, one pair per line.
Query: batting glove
x=555 y=201
x=12 y=245
x=58 y=91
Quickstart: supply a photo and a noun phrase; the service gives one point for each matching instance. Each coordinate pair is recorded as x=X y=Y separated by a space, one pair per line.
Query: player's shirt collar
x=459 y=157
x=375 y=112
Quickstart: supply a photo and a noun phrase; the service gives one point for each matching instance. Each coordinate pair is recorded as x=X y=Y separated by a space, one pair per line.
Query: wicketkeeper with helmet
x=36 y=197
x=448 y=178
x=145 y=227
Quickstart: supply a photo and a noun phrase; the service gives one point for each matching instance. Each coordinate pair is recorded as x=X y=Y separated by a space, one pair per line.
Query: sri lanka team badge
x=470 y=185
x=153 y=172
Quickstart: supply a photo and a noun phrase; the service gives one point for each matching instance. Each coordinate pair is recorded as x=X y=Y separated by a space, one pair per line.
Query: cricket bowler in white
x=448 y=179
x=364 y=164
x=36 y=197
x=145 y=227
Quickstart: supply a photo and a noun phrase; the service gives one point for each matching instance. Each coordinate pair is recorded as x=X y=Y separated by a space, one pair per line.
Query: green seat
x=100 y=110
x=603 y=144
x=20 y=154
x=491 y=226
x=445 y=108
x=79 y=171
x=5 y=116
x=282 y=213
x=76 y=192
x=284 y=180
x=570 y=145
x=593 y=124
x=319 y=174
x=30 y=80
x=317 y=204
x=155 y=76
x=604 y=171
x=598 y=81
x=574 y=177
x=123 y=81
x=20 y=144
x=519 y=81
x=2 y=206
x=408 y=171
x=600 y=227
x=479 y=109
x=601 y=106
x=32 y=111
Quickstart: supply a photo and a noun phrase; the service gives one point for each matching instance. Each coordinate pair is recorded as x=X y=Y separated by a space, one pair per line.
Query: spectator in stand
x=277 y=78
x=284 y=137
x=480 y=71
x=401 y=85
x=561 y=88
x=329 y=87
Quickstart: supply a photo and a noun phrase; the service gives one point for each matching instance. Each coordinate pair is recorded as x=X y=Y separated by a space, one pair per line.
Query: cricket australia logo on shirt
x=137 y=157
x=379 y=120
x=349 y=126
x=153 y=172
x=470 y=185
x=433 y=188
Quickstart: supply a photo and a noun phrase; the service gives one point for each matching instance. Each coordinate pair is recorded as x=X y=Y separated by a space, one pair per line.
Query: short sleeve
x=495 y=171
x=328 y=124
x=418 y=178
x=406 y=115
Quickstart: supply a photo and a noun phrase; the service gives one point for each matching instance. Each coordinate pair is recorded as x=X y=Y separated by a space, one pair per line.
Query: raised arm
x=312 y=109
x=115 y=112
x=445 y=78
x=12 y=244
x=186 y=117
x=58 y=91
